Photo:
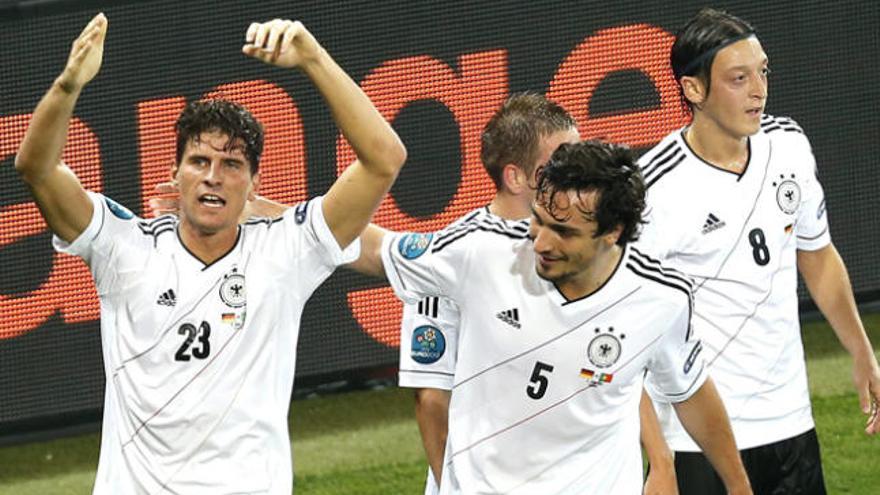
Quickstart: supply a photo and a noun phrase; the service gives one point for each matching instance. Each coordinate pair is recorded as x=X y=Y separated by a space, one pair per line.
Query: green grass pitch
x=367 y=443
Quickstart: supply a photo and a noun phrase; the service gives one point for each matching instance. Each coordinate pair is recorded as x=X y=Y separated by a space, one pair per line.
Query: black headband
x=711 y=53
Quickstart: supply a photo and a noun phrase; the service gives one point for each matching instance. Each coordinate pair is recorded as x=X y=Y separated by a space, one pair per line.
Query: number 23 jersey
x=199 y=359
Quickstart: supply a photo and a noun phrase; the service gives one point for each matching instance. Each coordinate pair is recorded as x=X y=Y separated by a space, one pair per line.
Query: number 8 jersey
x=199 y=360
x=737 y=236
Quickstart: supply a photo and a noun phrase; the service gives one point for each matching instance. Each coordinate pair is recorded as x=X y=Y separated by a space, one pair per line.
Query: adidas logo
x=167 y=298
x=713 y=223
x=511 y=317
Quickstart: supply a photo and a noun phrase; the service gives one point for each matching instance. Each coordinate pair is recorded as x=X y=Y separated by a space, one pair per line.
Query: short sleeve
x=317 y=234
x=651 y=235
x=677 y=369
x=418 y=266
x=812 y=218
x=111 y=228
x=429 y=344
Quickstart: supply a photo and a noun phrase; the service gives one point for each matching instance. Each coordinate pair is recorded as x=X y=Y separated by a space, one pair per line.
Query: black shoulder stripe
x=265 y=220
x=158 y=231
x=654 y=277
x=668 y=168
x=460 y=226
x=491 y=222
x=652 y=264
x=148 y=226
x=666 y=277
x=668 y=154
x=155 y=227
x=671 y=148
x=770 y=124
x=476 y=228
x=484 y=217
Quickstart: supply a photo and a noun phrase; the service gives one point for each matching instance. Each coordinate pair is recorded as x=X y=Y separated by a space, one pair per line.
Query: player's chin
x=546 y=273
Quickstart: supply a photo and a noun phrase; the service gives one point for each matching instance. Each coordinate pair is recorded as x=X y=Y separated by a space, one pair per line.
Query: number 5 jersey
x=546 y=390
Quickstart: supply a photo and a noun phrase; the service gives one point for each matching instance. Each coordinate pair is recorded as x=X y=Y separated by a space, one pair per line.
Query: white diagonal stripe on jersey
x=564 y=399
x=168 y=327
x=183 y=387
x=205 y=438
x=546 y=342
x=746 y=221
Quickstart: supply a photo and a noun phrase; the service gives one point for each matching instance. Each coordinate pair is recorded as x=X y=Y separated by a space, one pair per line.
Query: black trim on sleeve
x=813 y=238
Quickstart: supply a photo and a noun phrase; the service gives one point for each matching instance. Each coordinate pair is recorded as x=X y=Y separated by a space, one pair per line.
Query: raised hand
x=166 y=199
x=85 y=57
x=283 y=43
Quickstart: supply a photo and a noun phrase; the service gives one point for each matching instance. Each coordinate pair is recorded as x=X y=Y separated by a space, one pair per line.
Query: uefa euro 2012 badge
x=118 y=210
x=233 y=290
x=411 y=246
x=428 y=344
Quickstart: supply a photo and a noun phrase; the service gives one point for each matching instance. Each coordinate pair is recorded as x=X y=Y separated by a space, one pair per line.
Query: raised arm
x=370 y=260
x=57 y=191
x=705 y=419
x=828 y=282
x=354 y=197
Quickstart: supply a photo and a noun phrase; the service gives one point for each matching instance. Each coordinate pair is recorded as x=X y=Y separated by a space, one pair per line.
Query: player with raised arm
x=520 y=136
x=559 y=320
x=199 y=365
x=735 y=202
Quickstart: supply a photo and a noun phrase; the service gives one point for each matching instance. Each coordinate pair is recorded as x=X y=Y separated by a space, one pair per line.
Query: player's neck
x=590 y=280
x=207 y=247
x=510 y=206
x=715 y=145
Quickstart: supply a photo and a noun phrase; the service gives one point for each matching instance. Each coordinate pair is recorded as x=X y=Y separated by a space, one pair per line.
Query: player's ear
x=611 y=238
x=255 y=187
x=175 y=168
x=514 y=178
x=694 y=89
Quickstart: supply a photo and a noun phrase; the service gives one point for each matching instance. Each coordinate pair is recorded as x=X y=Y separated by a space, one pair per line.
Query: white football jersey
x=736 y=236
x=430 y=363
x=546 y=390
x=199 y=360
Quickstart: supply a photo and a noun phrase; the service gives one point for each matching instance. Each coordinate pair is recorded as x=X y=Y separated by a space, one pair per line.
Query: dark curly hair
x=699 y=41
x=226 y=117
x=514 y=132
x=605 y=168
